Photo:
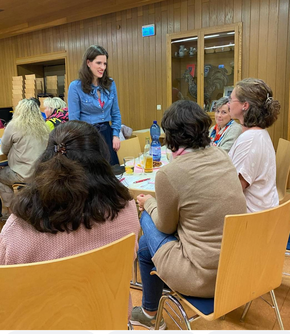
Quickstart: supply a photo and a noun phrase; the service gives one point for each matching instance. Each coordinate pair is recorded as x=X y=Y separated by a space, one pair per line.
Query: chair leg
x=134 y=277
x=246 y=309
x=275 y=306
x=130 y=327
x=159 y=311
x=179 y=306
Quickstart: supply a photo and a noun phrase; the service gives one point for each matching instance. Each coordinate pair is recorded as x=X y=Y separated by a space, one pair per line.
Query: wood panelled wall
x=138 y=65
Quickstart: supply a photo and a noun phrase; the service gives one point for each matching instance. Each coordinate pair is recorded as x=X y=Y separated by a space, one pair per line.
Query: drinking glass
x=129 y=164
x=141 y=162
x=148 y=166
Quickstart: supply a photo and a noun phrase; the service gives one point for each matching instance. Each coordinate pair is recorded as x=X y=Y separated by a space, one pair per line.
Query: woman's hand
x=141 y=199
x=116 y=143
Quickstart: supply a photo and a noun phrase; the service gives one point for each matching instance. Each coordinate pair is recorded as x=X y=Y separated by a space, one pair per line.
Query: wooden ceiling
x=19 y=17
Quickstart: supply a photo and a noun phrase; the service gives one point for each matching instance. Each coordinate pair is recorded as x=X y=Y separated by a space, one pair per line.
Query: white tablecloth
x=146 y=187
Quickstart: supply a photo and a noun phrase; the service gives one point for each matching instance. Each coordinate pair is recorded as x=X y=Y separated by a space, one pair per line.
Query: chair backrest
x=1 y=132
x=142 y=135
x=85 y=291
x=252 y=257
x=129 y=147
x=282 y=166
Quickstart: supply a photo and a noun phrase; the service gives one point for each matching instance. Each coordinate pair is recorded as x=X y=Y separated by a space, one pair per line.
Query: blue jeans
x=149 y=243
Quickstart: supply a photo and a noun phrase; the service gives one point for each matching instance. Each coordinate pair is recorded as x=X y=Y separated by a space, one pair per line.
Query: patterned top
x=20 y=242
x=216 y=134
x=57 y=117
x=228 y=137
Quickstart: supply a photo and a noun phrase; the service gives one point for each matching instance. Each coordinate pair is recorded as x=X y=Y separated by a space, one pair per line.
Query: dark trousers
x=107 y=133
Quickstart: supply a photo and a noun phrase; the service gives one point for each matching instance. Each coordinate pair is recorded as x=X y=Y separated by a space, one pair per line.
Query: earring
x=243 y=109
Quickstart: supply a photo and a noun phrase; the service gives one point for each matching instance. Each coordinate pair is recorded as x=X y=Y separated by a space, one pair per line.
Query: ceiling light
x=219 y=46
x=184 y=40
x=210 y=36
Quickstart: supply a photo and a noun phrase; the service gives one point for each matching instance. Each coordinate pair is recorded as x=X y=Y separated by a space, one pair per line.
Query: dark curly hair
x=186 y=124
x=73 y=183
x=263 y=110
x=85 y=74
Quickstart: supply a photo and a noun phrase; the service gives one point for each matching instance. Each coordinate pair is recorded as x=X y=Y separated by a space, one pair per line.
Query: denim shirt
x=86 y=107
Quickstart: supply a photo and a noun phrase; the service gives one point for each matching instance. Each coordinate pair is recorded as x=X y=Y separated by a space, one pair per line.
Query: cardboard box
x=17 y=85
x=16 y=91
x=51 y=78
x=30 y=76
x=30 y=85
x=17 y=79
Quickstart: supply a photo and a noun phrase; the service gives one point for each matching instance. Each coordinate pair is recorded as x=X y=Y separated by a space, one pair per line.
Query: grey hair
x=54 y=103
x=221 y=102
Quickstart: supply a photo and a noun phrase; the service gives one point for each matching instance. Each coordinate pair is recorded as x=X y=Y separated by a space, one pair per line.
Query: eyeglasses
x=233 y=100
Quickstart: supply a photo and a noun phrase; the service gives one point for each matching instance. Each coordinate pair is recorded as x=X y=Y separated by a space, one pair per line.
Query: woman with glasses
x=226 y=130
x=253 y=154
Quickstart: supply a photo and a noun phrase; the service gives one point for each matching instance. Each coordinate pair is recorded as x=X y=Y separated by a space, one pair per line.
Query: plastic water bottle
x=155 y=148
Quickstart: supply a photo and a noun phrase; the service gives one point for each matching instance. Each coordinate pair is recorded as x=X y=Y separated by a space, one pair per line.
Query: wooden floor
x=260 y=316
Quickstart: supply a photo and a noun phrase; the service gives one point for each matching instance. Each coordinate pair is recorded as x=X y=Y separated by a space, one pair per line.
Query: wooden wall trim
x=41 y=58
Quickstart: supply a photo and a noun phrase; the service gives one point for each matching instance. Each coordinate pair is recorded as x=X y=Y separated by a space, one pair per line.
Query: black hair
x=186 y=124
x=86 y=75
x=36 y=100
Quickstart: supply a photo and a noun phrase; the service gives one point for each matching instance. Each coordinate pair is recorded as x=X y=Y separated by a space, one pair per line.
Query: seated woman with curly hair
x=74 y=203
x=253 y=154
x=183 y=226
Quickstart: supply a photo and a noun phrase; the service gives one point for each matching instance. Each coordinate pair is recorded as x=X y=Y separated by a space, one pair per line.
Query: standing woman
x=93 y=98
x=253 y=154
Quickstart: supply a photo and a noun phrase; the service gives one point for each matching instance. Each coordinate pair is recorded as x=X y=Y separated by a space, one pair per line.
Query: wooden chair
x=129 y=147
x=283 y=169
x=250 y=265
x=142 y=138
x=86 y=291
x=1 y=132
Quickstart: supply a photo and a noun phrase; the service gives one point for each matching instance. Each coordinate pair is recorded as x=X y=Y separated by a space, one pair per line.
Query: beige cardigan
x=22 y=150
x=193 y=194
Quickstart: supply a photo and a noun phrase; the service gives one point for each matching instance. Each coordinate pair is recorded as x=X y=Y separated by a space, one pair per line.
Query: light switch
x=158 y=106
